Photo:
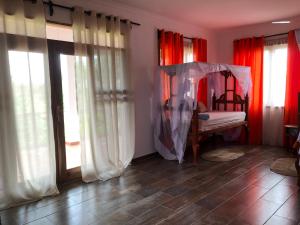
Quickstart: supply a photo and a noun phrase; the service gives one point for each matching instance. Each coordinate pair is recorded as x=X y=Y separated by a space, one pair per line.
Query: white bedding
x=220 y=119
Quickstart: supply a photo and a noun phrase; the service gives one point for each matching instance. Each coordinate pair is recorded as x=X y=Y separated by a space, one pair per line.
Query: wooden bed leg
x=214 y=140
x=195 y=153
x=247 y=134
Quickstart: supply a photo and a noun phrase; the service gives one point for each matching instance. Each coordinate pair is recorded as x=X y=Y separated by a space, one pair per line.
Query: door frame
x=55 y=48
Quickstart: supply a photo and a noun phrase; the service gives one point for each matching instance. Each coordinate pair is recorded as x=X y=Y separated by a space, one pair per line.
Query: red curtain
x=200 y=55
x=292 y=81
x=171 y=48
x=170 y=52
x=249 y=52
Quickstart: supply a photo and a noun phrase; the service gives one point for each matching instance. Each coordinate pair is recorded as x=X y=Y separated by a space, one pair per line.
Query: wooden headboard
x=235 y=100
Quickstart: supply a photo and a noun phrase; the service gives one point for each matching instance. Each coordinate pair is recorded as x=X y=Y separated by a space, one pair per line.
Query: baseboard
x=145 y=157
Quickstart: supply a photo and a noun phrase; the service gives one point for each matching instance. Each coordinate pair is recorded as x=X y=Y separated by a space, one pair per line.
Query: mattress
x=220 y=119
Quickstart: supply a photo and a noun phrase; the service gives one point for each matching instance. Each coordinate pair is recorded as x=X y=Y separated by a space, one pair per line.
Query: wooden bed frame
x=195 y=136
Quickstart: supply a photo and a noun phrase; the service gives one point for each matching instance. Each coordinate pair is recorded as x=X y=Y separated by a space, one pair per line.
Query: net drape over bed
x=173 y=116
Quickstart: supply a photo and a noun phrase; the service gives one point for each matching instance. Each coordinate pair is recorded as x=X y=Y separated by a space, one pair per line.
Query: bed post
x=214 y=106
x=246 y=118
x=234 y=93
x=246 y=106
x=194 y=138
x=226 y=90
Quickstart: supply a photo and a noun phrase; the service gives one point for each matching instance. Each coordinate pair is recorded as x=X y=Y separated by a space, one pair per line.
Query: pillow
x=201 y=107
x=203 y=116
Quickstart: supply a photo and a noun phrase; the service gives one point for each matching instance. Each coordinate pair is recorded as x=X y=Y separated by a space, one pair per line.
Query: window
x=188 y=56
x=187 y=51
x=275 y=65
x=59 y=32
x=31 y=111
x=274 y=81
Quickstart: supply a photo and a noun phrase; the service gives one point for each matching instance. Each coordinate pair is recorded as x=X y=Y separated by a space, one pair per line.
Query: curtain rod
x=50 y=4
x=188 y=38
x=274 y=35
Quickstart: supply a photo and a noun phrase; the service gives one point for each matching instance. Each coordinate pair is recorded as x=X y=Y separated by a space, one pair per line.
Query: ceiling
x=217 y=14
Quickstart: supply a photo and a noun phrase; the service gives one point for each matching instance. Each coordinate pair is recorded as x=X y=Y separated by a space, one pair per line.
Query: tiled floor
x=156 y=191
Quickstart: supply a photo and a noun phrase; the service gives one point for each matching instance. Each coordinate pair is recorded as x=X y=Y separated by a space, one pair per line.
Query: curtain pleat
x=249 y=52
x=200 y=55
x=104 y=95
x=292 y=81
x=27 y=149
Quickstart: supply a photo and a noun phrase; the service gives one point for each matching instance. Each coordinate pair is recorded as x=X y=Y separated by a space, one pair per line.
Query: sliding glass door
x=64 y=108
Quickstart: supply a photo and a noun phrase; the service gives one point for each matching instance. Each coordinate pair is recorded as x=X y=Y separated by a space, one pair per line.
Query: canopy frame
x=173 y=109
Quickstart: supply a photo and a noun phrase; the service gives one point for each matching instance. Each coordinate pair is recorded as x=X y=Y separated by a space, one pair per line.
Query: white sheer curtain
x=275 y=66
x=104 y=95
x=188 y=56
x=188 y=51
x=27 y=150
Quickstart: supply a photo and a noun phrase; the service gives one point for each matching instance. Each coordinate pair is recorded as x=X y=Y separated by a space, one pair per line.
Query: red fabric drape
x=249 y=52
x=292 y=81
x=200 y=55
x=171 y=52
x=171 y=48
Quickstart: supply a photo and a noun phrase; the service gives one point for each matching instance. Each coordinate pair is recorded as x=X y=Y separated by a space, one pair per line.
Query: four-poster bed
x=225 y=120
x=177 y=117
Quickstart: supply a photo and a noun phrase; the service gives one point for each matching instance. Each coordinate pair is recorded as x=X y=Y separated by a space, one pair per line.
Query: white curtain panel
x=188 y=51
x=27 y=150
x=275 y=66
x=104 y=95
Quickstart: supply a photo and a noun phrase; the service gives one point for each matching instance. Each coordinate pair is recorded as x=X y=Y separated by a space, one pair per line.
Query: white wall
x=226 y=37
x=145 y=57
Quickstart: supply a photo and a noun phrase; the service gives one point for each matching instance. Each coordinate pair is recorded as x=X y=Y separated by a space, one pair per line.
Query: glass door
x=64 y=108
x=71 y=119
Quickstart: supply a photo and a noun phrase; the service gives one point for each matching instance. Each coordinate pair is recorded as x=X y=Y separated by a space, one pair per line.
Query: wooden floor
x=156 y=191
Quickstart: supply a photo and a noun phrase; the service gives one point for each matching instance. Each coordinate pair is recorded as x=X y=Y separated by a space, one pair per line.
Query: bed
x=228 y=113
x=216 y=119
x=175 y=114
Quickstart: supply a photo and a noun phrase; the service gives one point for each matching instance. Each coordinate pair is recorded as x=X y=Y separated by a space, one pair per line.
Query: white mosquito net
x=175 y=91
